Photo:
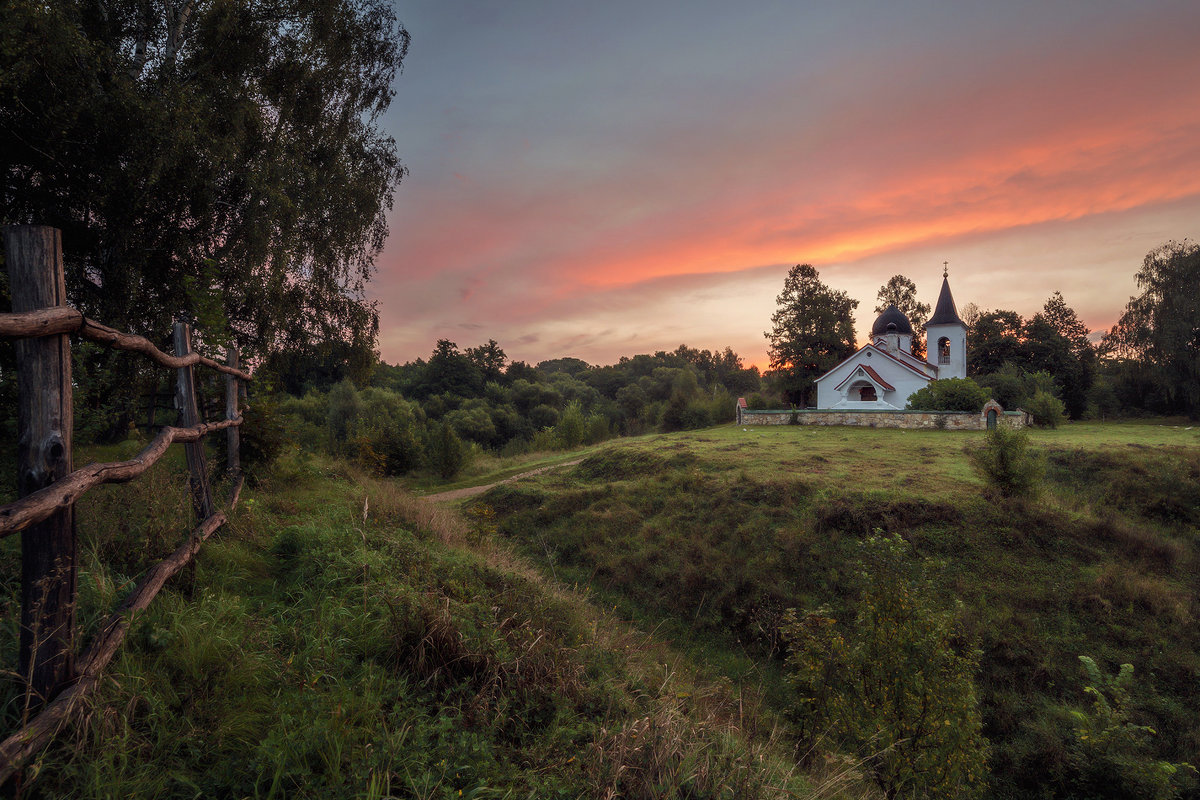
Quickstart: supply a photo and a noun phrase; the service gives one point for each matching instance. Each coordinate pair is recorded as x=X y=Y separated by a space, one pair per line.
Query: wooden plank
x=51 y=321
x=18 y=748
x=44 y=419
x=189 y=416
x=62 y=493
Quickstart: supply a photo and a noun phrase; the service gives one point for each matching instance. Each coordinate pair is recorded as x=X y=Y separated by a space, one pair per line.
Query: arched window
x=943 y=350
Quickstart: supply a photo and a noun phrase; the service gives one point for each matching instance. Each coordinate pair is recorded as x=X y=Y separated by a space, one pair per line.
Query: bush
x=597 y=429
x=757 y=402
x=1113 y=756
x=1047 y=410
x=1007 y=463
x=446 y=452
x=949 y=394
x=342 y=416
x=893 y=686
x=571 y=427
x=399 y=448
x=261 y=438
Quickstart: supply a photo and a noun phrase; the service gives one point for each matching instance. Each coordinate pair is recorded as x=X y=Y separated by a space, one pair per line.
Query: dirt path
x=471 y=491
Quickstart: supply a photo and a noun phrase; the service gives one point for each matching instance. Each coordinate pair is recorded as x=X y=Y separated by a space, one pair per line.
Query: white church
x=882 y=374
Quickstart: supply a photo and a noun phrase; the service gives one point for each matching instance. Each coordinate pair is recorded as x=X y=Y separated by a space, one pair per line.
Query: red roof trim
x=875 y=375
x=870 y=371
x=898 y=361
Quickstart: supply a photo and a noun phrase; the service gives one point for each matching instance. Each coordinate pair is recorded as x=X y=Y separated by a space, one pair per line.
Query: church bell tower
x=946 y=335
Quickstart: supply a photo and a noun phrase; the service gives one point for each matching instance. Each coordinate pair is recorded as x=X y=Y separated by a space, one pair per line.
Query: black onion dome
x=945 y=313
x=892 y=320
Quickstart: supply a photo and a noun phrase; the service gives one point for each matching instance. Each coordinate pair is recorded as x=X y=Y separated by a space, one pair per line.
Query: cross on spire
x=945 y=269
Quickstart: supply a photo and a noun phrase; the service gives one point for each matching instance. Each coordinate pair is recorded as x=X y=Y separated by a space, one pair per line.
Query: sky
x=599 y=179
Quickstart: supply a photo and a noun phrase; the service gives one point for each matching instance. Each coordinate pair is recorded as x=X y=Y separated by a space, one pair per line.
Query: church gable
x=870 y=378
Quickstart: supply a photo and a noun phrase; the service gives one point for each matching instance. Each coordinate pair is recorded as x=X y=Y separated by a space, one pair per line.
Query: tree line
x=438 y=413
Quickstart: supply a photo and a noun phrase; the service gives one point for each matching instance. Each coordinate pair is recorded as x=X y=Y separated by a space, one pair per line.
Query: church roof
x=874 y=349
x=886 y=386
x=892 y=316
x=945 y=313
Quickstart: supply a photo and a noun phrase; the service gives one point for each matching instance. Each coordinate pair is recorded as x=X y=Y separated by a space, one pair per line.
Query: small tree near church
x=813 y=329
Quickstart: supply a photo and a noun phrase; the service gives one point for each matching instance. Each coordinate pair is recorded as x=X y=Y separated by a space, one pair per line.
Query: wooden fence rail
x=48 y=487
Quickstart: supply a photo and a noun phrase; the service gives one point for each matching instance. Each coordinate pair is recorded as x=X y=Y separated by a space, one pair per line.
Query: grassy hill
x=713 y=535
x=344 y=639
x=611 y=628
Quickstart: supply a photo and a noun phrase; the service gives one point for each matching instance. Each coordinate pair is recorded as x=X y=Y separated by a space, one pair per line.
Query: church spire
x=945 y=312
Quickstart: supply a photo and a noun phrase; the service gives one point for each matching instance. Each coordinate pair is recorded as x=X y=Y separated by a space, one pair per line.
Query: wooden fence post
x=189 y=416
x=44 y=417
x=233 y=436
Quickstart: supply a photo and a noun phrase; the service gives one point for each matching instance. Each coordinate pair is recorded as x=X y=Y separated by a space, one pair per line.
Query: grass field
x=612 y=628
x=711 y=535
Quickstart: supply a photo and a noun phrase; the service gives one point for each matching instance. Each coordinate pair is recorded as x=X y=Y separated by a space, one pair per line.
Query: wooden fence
x=48 y=487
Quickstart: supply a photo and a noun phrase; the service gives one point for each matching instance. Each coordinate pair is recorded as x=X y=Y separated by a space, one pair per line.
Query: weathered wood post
x=189 y=415
x=44 y=418
x=233 y=435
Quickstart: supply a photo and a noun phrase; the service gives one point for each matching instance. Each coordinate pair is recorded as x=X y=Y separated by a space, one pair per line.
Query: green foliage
x=894 y=685
x=262 y=438
x=342 y=416
x=758 y=402
x=993 y=341
x=949 y=394
x=597 y=429
x=224 y=163
x=683 y=414
x=1112 y=756
x=812 y=330
x=1006 y=462
x=446 y=452
x=1157 y=332
x=571 y=427
x=1012 y=386
x=1047 y=410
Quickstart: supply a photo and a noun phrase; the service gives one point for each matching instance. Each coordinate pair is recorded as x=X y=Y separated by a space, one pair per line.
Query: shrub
x=893 y=685
x=473 y=423
x=757 y=402
x=342 y=416
x=1047 y=410
x=597 y=429
x=261 y=438
x=399 y=448
x=1113 y=757
x=1006 y=462
x=571 y=427
x=446 y=452
x=543 y=416
x=682 y=414
x=949 y=394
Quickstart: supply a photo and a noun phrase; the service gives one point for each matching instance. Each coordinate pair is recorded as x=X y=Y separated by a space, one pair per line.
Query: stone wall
x=949 y=420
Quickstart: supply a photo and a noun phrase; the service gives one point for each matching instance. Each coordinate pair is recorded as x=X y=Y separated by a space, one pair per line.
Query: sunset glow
x=585 y=188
